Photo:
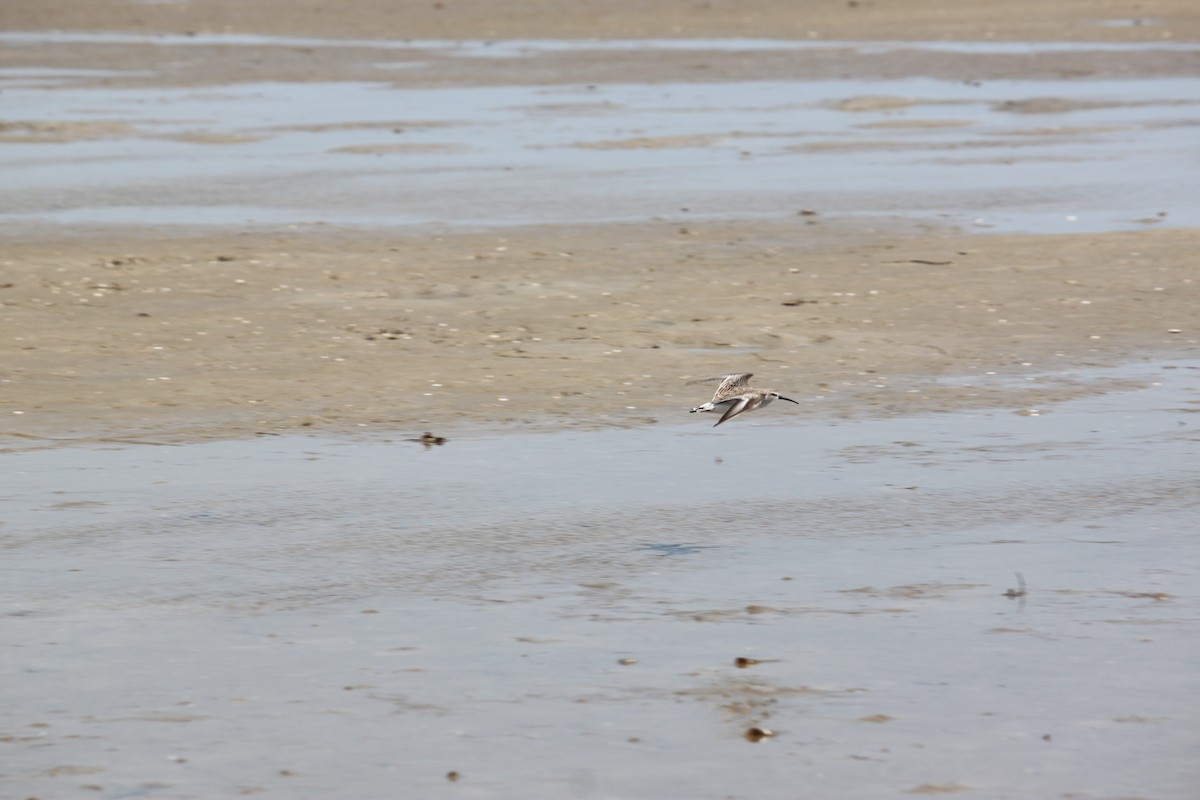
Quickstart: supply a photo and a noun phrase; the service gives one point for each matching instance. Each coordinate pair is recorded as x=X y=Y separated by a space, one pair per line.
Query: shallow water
x=1102 y=155
x=338 y=618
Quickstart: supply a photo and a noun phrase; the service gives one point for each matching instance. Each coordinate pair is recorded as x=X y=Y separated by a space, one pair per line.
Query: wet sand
x=235 y=289
x=169 y=338
x=1023 y=20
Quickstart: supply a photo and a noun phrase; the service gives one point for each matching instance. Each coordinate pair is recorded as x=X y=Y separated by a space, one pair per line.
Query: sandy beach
x=1072 y=20
x=171 y=338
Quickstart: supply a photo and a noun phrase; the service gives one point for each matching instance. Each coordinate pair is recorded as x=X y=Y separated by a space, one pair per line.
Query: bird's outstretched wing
x=731 y=383
x=734 y=409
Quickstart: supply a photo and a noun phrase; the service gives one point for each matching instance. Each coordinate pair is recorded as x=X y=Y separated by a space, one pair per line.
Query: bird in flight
x=735 y=395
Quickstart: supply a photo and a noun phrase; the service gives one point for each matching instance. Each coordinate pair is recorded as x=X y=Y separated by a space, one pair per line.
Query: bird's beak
x=790 y=400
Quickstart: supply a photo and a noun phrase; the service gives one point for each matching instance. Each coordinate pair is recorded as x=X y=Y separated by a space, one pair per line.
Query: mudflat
x=232 y=334
x=1023 y=20
x=963 y=236
x=166 y=329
